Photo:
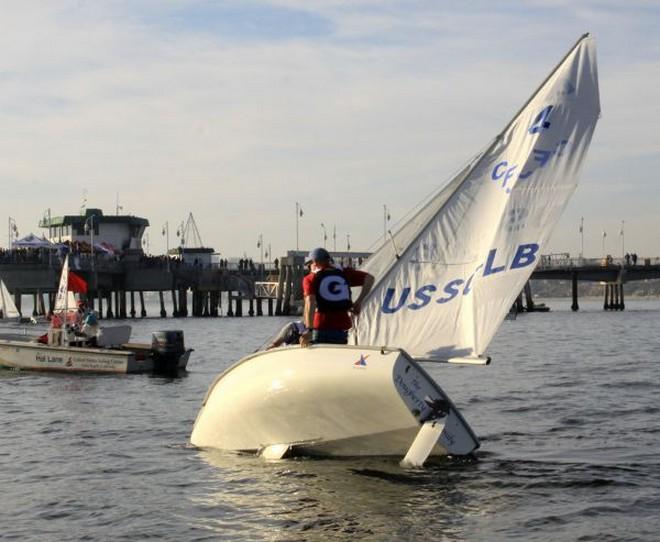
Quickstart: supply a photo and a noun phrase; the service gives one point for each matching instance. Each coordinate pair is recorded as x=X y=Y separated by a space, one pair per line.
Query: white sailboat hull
x=327 y=400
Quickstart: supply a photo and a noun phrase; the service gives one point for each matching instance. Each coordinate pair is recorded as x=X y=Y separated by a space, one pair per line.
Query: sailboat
x=443 y=285
x=66 y=349
x=8 y=308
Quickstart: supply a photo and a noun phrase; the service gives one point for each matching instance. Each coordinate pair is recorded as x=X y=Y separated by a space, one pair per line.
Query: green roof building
x=121 y=232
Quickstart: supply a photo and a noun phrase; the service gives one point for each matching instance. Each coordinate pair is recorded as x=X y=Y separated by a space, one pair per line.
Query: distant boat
x=444 y=284
x=66 y=349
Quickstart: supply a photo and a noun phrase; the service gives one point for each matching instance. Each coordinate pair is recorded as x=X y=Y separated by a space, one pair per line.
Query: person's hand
x=306 y=338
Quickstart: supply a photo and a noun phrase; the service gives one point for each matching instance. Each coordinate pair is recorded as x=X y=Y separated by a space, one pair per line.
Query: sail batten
x=468 y=252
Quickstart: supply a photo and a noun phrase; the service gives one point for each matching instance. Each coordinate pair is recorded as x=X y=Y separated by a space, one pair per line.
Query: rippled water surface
x=568 y=414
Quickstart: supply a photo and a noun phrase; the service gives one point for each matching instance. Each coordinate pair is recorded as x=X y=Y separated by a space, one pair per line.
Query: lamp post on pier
x=581 y=237
x=260 y=246
x=299 y=213
x=325 y=234
x=166 y=234
x=181 y=233
x=89 y=228
x=50 y=250
x=12 y=229
x=386 y=219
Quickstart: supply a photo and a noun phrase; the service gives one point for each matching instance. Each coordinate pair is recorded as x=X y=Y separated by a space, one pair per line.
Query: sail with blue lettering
x=446 y=280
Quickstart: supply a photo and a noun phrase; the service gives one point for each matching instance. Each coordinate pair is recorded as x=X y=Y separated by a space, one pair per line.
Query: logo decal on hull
x=362 y=362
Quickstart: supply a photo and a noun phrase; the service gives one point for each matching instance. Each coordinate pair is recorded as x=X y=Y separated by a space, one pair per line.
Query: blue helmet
x=318 y=254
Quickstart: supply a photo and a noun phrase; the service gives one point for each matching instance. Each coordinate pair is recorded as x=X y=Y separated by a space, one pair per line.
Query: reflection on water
x=567 y=415
x=356 y=497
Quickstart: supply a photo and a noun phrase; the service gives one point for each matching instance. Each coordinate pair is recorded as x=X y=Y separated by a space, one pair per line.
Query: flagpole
x=65 y=336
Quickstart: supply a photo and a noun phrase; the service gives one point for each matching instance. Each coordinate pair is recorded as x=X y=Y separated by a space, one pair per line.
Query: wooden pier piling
x=175 y=307
x=574 y=291
x=230 y=310
x=286 y=296
x=183 y=302
x=108 y=313
x=280 y=292
x=239 y=304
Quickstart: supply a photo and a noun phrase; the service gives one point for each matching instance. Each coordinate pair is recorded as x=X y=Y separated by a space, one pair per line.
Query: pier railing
x=565 y=261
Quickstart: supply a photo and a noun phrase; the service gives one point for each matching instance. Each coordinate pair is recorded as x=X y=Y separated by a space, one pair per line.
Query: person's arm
x=366 y=288
x=280 y=337
x=308 y=319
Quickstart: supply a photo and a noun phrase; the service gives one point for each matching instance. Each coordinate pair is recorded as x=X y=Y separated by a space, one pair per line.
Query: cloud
x=235 y=111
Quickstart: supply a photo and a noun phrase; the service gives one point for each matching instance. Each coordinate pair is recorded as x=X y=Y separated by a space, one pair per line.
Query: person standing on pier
x=327 y=291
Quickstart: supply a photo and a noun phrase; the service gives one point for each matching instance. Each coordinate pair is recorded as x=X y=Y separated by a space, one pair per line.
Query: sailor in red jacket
x=327 y=291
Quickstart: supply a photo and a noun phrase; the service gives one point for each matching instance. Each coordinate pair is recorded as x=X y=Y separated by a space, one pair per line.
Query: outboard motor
x=167 y=348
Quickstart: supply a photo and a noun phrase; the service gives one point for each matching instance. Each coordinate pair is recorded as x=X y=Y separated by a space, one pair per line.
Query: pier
x=611 y=273
x=117 y=287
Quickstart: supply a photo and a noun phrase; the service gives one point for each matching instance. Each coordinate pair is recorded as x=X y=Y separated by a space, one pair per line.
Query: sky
x=236 y=110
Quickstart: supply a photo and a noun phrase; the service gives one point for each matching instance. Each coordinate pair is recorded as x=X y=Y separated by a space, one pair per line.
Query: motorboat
x=68 y=347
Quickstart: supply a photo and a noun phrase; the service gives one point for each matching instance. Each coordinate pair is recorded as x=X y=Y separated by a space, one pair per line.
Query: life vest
x=332 y=290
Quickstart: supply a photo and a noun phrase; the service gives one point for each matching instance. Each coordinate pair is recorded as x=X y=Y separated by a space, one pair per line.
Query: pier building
x=122 y=232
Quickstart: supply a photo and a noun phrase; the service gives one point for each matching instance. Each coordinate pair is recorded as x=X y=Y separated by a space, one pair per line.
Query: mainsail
x=65 y=301
x=7 y=305
x=448 y=277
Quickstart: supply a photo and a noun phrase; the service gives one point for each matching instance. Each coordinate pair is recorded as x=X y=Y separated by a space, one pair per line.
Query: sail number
x=525 y=256
x=507 y=173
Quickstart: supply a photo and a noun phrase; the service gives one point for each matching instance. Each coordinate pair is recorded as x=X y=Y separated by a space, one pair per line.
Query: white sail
x=7 y=305
x=64 y=300
x=447 y=279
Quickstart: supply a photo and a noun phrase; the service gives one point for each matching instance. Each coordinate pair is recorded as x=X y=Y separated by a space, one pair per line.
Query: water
x=567 y=414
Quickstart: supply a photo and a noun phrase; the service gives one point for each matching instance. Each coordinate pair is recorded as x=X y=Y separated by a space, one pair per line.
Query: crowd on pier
x=80 y=257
